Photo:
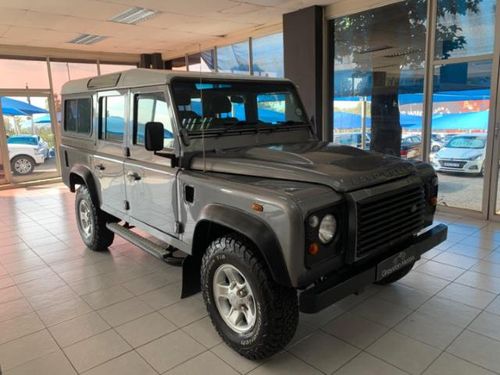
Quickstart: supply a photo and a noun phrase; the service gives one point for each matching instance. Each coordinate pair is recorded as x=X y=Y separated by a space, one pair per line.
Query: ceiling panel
x=180 y=23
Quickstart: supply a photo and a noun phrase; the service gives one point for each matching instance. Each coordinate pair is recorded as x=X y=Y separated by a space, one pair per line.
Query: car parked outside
x=462 y=154
x=411 y=146
x=25 y=152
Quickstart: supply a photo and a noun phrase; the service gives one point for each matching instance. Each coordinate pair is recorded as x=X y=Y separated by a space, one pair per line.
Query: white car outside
x=24 y=157
x=462 y=154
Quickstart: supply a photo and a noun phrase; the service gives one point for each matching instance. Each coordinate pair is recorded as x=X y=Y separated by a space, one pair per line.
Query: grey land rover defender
x=227 y=170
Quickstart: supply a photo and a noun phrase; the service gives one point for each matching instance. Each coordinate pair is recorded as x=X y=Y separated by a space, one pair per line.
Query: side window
x=78 y=115
x=112 y=118
x=152 y=107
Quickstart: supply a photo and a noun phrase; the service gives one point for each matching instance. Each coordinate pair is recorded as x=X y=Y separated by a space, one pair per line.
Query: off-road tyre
x=99 y=238
x=396 y=276
x=276 y=306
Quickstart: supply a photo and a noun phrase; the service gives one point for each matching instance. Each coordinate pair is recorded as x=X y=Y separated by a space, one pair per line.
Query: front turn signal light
x=313 y=248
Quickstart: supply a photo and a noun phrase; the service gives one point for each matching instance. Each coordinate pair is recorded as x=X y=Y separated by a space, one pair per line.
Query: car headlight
x=327 y=228
x=475 y=157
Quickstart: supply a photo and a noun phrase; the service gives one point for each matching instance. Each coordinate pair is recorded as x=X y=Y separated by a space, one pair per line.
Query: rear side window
x=78 y=115
x=112 y=118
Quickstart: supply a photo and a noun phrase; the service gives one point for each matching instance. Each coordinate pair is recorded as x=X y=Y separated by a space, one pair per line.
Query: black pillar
x=151 y=61
x=303 y=54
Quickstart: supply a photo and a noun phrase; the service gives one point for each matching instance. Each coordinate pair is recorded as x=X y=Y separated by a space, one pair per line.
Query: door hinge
x=126 y=205
x=179 y=228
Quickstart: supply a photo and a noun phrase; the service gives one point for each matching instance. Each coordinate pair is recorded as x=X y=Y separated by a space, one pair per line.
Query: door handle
x=100 y=167
x=132 y=176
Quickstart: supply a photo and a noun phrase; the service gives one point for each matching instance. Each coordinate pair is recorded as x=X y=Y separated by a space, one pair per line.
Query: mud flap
x=190 y=276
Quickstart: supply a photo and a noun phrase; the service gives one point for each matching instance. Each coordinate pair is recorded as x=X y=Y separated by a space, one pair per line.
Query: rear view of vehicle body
x=462 y=154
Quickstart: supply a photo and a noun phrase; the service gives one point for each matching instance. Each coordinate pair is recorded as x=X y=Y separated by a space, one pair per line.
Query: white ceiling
x=180 y=25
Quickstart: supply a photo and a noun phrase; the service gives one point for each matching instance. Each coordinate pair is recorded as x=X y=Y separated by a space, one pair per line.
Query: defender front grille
x=386 y=219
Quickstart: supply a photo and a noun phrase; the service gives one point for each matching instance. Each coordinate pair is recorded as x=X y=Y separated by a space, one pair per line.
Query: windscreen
x=220 y=107
x=466 y=142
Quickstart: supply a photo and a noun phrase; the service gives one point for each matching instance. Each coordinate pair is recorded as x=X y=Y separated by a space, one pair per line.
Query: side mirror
x=153 y=136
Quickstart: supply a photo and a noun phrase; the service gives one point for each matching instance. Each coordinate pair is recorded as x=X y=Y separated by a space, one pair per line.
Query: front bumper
x=39 y=158
x=462 y=166
x=335 y=287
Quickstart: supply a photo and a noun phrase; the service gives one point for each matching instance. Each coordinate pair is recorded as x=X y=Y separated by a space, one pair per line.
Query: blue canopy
x=438 y=97
x=346 y=120
x=45 y=119
x=454 y=121
x=15 y=107
x=462 y=121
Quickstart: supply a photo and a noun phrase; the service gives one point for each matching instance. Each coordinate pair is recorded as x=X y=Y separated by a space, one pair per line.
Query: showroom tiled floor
x=66 y=310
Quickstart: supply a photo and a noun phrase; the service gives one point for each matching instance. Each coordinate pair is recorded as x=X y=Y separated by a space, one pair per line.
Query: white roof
x=149 y=77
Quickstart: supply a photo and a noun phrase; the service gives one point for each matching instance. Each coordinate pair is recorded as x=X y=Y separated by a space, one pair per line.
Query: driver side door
x=150 y=179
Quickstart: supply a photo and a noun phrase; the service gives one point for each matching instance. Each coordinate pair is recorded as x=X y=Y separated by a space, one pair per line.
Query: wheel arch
x=216 y=220
x=81 y=175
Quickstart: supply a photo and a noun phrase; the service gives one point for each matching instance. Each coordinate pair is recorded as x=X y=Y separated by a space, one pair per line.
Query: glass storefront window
x=378 y=78
x=62 y=72
x=460 y=112
x=465 y=28
x=21 y=74
x=30 y=139
x=234 y=58
x=203 y=62
x=267 y=55
x=179 y=63
x=113 y=68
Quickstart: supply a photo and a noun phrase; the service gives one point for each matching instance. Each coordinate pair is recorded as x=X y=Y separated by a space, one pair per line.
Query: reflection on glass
x=378 y=78
x=234 y=58
x=179 y=63
x=460 y=113
x=30 y=137
x=21 y=74
x=201 y=62
x=464 y=28
x=62 y=72
x=114 y=68
x=267 y=56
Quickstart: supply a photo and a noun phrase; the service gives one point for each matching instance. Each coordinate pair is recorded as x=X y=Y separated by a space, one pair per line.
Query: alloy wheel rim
x=22 y=166
x=85 y=217
x=234 y=299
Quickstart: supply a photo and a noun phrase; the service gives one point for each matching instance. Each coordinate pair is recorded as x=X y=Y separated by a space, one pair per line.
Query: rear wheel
x=395 y=276
x=92 y=222
x=252 y=313
x=22 y=165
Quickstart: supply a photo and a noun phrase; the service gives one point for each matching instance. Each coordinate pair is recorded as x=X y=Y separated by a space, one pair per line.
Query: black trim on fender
x=337 y=286
x=257 y=231
x=86 y=175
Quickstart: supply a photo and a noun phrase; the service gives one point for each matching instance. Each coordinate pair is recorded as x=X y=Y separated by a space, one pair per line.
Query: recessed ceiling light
x=87 y=39
x=134 y=15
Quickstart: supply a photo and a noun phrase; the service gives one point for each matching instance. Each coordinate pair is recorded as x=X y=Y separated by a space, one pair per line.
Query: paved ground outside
x=461 y=191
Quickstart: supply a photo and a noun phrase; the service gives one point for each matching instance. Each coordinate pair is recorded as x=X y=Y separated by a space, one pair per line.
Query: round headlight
x=327 y=229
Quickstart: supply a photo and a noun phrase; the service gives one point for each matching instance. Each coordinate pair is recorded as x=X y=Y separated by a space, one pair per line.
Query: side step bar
x=139 y=241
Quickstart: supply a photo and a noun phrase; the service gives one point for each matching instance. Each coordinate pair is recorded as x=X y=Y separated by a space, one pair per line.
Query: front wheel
x=22 y=165
x=252 y=313
x=92 y=222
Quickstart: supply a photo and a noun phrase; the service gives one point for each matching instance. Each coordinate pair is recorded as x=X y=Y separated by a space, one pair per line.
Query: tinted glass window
x=22 y=140
x=112 y=118
x=152 y=107
x=78 y=115
x=233 y=106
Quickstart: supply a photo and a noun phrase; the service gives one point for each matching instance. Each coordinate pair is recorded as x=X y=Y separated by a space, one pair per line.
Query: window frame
x=103 y=99
x=135 y=101
x=76 y=133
